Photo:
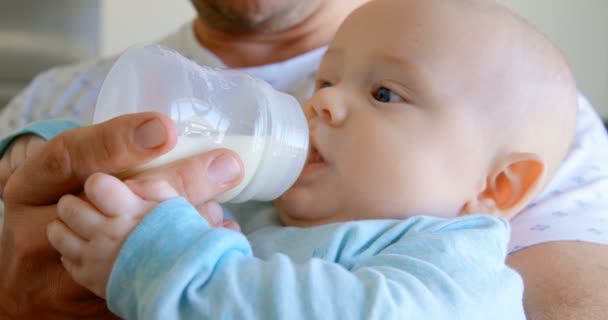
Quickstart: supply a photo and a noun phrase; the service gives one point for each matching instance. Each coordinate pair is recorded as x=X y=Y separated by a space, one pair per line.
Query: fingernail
x=224 y=169
x=150 y=134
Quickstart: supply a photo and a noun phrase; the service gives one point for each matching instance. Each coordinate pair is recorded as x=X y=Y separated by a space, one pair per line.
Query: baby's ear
x=511 y=184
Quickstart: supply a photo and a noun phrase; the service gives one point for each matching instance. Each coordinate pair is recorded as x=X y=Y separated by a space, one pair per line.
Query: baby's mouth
x=314 y=163
x=314 y=156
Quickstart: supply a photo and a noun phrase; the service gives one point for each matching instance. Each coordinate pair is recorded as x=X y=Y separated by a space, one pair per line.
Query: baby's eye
x=323 y=84
x=384 y=94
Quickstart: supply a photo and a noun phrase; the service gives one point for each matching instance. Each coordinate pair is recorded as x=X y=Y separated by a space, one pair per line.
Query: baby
x=432 y=121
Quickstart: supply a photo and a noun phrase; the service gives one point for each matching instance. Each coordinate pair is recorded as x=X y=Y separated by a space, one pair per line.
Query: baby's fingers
x=213 y=213
x=65 y=241
x=113 y=197
x=80 y=216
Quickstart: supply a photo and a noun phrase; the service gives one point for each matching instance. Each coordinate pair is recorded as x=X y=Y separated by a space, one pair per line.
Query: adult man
x=284 y=39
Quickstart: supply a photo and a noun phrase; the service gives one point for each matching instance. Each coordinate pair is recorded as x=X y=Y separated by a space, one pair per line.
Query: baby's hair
x=532 y=104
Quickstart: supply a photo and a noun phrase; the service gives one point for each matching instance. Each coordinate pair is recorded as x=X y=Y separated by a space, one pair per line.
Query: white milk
x=250 y=149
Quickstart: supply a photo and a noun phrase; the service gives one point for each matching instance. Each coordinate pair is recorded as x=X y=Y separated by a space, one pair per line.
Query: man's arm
x=564 y=280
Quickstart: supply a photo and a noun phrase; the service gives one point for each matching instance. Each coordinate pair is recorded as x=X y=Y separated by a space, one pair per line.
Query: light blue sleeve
x=174 y=266
x=46 y=129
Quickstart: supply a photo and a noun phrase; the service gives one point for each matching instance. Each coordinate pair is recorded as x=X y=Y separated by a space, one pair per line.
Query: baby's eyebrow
x=417 y=76
x=335 y=52
x=332 y=60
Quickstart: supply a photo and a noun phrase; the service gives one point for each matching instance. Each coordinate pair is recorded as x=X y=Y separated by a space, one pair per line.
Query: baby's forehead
x=460 y=42
x=442 y=24
x=428 y=15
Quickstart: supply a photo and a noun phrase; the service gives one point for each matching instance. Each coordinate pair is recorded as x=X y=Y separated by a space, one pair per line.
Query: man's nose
x=328 y=106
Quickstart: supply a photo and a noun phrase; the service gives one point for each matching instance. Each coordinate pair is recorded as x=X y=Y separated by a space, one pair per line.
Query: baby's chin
x=293 y=215
x=285 y=215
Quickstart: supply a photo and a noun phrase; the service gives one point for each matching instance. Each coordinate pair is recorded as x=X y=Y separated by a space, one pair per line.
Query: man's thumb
x=110 y=147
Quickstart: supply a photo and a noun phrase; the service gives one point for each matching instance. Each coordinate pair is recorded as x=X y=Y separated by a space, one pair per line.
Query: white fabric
x=573 y=207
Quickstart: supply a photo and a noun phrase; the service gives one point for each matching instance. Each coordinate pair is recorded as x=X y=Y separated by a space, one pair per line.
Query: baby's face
x=391 y=129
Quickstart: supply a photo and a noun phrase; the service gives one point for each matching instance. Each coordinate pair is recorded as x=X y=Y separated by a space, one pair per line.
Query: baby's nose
x=328 y=106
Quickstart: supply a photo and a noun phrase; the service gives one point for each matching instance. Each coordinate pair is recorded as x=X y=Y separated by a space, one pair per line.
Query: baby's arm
x=174 y=266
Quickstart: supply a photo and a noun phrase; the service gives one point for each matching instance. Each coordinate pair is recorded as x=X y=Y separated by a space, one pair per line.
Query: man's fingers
x=22 y=148
x=16 y=154
x=65 y=241
x=67 y=160
x=34 y=144
x=5 y=172
x=199 y=178
x=80 y=216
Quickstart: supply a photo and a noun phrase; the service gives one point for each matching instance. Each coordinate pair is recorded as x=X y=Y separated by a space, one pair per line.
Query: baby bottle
x=212 y=108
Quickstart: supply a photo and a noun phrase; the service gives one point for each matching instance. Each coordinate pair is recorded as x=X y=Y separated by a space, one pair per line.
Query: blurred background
x=37 y=34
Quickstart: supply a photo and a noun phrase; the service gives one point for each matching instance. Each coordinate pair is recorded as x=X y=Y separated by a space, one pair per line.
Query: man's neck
x=250 y=49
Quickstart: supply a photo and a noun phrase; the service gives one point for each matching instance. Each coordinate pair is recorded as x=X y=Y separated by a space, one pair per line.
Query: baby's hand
x=89 y=234
x=16 y=154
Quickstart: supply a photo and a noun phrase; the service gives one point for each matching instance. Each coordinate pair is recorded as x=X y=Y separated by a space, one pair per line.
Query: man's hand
x=24 y=147
x=564 y=280
x=33 y=282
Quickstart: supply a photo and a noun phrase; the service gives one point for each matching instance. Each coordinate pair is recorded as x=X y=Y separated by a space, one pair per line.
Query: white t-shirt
x=574 y=206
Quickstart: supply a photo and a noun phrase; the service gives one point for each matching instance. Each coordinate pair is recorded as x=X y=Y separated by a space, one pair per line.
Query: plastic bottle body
x=212 y=108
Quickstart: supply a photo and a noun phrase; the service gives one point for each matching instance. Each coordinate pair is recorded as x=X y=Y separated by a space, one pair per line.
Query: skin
x=36 y=286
